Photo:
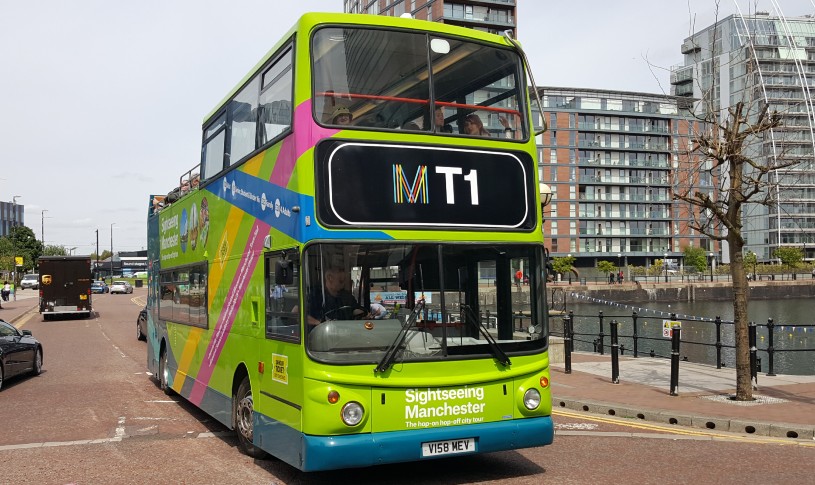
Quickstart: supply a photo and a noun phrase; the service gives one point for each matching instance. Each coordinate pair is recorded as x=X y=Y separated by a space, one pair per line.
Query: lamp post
x=711 y=266
x=14 y=277
x=570 y=271
x=111 y=252
x=620 y=267
x=42 y=228
x=665 y=266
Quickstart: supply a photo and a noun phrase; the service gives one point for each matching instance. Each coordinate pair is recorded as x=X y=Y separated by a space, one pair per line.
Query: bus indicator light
x=261 y=367
x=544 y=382
x=333 y=397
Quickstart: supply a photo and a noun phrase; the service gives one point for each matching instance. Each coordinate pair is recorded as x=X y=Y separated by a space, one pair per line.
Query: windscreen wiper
x=471 y=318
x=390 y=354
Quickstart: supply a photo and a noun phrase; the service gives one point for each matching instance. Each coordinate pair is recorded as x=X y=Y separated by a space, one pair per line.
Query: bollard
x=615 y=359
x=751 y=338
x=567 y=344
x=770 y=347
x=718 y=342
x=675 y=334
x=601 y=335
x=634 y=319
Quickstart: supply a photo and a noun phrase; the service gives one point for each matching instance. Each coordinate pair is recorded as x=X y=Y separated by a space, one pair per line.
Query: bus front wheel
x=244 y=414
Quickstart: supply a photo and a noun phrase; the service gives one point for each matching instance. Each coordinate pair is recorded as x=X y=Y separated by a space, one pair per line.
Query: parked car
x=20 y=352
x=141 y=325
x=30 y=281
x=99 y=287
x=121 y=287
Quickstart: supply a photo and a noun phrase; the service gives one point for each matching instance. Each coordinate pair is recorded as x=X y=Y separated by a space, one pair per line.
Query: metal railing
x=601 y=340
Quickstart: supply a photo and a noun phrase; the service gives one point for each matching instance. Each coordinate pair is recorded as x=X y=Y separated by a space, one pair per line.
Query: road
x=96 y=416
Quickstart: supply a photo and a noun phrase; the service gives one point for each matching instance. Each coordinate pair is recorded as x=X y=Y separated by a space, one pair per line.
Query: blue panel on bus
x=350 y=451
x=275 y=206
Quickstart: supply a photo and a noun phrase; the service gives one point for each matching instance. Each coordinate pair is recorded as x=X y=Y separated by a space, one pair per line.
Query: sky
x=101 y=102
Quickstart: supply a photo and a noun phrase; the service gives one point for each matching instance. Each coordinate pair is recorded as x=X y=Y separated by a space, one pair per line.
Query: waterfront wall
x=643 y=292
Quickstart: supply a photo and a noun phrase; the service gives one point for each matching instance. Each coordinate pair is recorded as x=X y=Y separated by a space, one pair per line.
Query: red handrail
x=448 y=104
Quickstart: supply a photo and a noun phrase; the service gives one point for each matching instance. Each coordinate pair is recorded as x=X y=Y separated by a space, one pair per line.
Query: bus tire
x=163 y=374
x=243 y=411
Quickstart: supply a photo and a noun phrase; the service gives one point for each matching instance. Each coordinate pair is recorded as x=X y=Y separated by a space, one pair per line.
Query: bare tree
x=734 y=146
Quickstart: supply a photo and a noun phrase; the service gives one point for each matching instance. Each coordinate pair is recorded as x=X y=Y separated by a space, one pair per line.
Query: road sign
x=667 y=325
x=18 y=260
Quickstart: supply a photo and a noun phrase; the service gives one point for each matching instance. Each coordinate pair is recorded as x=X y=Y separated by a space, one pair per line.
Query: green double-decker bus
x=354 y=272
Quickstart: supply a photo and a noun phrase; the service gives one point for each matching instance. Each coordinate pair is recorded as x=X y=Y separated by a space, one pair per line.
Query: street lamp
x=665 y=264
x=570 y=271
x=14 y=276
x=42 y=228
x=111 y=252
x=711 y=266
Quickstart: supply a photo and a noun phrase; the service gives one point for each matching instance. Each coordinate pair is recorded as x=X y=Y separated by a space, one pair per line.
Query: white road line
x=120 y=430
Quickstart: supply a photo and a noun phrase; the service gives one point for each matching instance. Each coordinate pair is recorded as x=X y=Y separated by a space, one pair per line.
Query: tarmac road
x=96 y=416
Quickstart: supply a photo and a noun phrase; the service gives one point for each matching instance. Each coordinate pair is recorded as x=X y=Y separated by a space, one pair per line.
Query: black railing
x=597 y=341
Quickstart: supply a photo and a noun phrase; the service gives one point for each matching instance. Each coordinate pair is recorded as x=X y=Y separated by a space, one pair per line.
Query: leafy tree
x=695 y=258
x=563 y=264
x=105 y=255
x=750 y=260
x=790 y=257
x=606 y=267
x=20 y=242
x=54 y=250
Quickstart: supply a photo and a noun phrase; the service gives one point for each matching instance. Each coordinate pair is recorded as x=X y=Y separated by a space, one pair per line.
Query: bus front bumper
x=351 y=451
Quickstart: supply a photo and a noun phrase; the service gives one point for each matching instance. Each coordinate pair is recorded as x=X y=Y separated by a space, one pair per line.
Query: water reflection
x=790 y=338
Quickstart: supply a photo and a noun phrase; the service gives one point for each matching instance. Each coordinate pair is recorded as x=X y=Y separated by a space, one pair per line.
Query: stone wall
x=637 y=292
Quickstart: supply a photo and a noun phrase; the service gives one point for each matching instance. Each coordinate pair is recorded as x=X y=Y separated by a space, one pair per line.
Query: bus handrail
x=448 y=104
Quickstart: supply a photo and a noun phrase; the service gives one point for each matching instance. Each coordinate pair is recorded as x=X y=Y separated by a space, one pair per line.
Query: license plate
x=448 y=447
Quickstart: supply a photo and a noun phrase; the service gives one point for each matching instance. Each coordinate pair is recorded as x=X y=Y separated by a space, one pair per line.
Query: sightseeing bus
x=335 y=280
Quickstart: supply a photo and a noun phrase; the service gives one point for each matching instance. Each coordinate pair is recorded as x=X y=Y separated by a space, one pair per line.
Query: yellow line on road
x=26 y=317
x=675 y=430
x=139 y=300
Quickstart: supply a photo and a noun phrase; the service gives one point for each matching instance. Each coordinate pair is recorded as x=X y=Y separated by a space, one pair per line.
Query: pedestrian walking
x=620 y=277
x=6 y=290
x=611 y=278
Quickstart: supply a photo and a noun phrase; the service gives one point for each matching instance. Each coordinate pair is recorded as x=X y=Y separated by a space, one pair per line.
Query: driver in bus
x=335 y=302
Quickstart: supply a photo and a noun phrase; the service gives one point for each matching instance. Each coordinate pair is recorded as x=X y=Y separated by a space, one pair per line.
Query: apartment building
x=495 y=16
x=614 y=161
x=11 y=214
x=763 y=59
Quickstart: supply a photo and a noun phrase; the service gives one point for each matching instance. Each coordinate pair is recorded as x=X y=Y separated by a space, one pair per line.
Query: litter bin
x=139 y=283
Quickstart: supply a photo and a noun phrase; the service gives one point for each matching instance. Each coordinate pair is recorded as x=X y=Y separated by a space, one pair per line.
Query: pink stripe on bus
x=237 y=290
x=306 y=134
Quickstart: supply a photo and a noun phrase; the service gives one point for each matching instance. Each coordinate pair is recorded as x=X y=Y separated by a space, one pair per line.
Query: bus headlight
x=352 y=413
x=532 y=399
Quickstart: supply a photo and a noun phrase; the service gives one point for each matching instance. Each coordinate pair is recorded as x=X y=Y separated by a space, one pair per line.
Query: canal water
x=791 y=339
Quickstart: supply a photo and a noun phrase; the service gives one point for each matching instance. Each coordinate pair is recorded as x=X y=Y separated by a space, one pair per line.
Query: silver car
x=30 y=281
x=121 y=287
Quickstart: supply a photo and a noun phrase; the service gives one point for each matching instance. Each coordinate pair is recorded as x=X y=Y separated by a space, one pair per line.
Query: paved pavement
x=784 y=405
x=27 y=300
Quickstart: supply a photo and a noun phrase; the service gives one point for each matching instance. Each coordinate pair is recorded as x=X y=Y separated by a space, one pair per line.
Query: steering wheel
x=358 y=316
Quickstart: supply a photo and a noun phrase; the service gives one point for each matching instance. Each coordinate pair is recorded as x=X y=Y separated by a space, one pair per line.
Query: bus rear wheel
x=163 y=374
x=243 y=418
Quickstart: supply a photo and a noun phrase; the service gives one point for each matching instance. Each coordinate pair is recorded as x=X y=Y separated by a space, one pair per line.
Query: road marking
x=677 y=430
x=25 y=317
x=120 y=430
x=139 y=300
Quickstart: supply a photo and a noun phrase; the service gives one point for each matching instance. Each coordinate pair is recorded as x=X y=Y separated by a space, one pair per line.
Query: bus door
x=281 y=378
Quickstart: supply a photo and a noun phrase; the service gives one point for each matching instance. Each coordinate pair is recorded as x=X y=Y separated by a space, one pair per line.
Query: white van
x=30 y=281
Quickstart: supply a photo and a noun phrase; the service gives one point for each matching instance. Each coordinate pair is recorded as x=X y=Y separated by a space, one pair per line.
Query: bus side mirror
x=283 y=272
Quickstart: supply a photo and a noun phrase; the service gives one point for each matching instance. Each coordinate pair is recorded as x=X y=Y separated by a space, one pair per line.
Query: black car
x=141 y=325
x=20 y=352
